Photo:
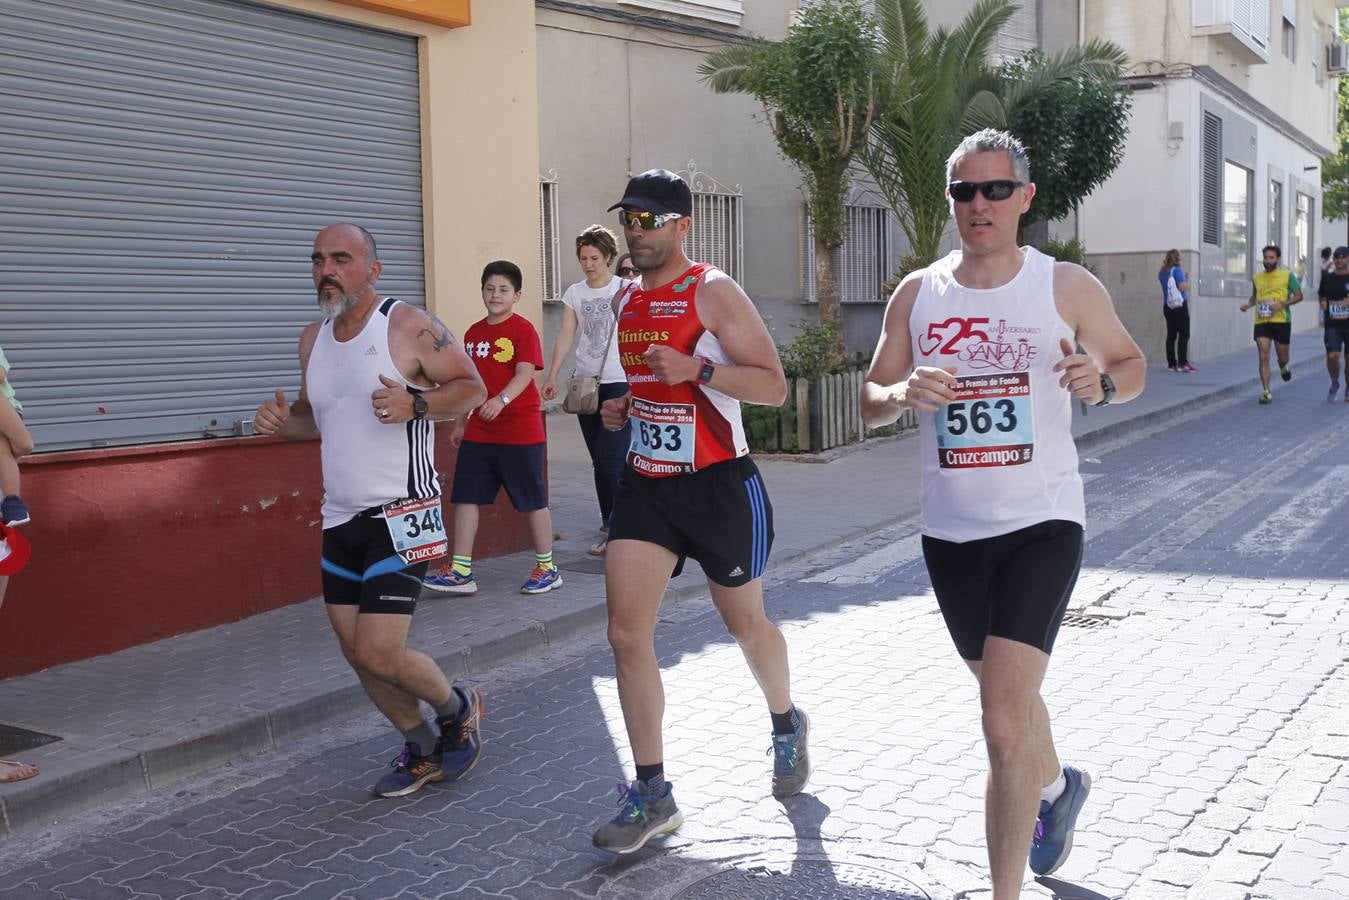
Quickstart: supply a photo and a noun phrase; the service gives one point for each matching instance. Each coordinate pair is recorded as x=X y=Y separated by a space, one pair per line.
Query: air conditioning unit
x=1337 y=58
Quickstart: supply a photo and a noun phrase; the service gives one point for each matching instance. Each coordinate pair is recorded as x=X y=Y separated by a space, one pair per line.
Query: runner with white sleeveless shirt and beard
x=374 y=375
x=982 y=344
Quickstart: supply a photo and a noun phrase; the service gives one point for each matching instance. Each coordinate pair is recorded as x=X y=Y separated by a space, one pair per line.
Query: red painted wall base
x=131 y=546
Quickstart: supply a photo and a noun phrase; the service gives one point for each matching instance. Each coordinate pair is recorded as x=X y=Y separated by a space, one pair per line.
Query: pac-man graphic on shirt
x=505 y=350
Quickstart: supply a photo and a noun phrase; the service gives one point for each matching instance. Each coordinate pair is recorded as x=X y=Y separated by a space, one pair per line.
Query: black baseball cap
x=1341 y=251
x=657 y=191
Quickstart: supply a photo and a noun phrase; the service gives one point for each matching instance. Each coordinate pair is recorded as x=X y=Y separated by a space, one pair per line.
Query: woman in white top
x=588 y=310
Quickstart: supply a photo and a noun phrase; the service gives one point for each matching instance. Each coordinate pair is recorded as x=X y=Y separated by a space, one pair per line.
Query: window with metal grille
x=1019 y=34
x=1212 y=212
x=867 y=259
x=550 y=262
x=1236 y=220
x=1300 y=260
x=718 y=231
x=1275 y=233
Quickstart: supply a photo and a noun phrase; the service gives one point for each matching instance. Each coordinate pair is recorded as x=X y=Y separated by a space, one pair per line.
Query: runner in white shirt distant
x=982 y=344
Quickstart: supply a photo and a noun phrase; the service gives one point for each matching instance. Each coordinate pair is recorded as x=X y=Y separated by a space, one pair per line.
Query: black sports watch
x=1108 y=387
x=705 y=373
x=418 y=407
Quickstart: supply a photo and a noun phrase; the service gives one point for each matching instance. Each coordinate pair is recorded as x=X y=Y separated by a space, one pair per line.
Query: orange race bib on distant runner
x=988 y=424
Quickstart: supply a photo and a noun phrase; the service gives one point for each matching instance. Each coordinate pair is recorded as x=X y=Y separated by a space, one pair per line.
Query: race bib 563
x=988 y=424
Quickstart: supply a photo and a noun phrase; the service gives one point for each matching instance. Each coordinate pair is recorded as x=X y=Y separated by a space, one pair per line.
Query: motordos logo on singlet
x=1007 y=348
x=665 y=309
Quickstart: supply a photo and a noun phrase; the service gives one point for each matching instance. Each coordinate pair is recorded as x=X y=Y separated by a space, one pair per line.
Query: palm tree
x=819 y=91
x=939 y=87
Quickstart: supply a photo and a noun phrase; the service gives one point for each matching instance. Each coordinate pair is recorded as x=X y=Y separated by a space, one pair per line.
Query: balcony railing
x=1242 y=26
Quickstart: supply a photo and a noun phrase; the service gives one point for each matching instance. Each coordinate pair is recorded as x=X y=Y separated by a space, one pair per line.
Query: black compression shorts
x=1014 y=586
x=360 y=568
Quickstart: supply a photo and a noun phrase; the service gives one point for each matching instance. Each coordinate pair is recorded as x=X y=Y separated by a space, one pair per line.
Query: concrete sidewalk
x=149 y=716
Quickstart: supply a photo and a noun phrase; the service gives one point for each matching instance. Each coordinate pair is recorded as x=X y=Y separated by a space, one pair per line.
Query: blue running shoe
x=448 y=581
x=410 y=773
x=14 y=511
x=641 y=816
x=791 y=759
x=542 y=580
x=461 y=736
x=1054 y=828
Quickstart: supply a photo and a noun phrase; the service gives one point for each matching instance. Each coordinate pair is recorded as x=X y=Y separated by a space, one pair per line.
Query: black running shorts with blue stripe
x=361 y=568
x=720 y=516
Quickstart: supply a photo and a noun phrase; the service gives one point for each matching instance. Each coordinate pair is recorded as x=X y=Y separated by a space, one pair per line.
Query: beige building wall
x=1277 y=123
x=617 y=97
x=480 y=127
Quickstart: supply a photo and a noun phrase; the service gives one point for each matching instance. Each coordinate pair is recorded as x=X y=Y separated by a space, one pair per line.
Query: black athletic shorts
x=1337 y=338
x=719 y=516
x=481 y=471
x=1278 y=332
x=1014 y=586
x=360 y=568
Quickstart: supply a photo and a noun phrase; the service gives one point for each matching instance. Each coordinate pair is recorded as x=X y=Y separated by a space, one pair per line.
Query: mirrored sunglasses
x=1001 y=189
x=648 y=221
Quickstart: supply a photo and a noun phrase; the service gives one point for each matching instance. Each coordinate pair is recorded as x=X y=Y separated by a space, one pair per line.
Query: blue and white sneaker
x=448 y=581
x=1054 y=828
x=641 y=816
x=14 y=511
x=461 y=736
x=542 y=580
x=791 y=759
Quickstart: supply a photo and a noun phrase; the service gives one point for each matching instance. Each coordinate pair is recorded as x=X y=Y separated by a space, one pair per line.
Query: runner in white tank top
x=365 y=462
x=982 y=344
x=1001 y=456
x=358 y=368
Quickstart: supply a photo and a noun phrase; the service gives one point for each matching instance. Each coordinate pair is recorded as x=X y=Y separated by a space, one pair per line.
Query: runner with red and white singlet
x=693 y=348
x=684 y=427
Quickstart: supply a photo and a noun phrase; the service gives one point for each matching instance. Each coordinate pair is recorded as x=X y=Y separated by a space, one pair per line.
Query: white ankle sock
x=1054 y=790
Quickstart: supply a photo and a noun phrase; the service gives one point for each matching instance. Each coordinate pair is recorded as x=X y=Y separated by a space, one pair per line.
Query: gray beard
x=335 y=308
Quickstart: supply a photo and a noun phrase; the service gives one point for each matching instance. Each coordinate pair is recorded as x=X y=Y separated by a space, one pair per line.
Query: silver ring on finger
x=384 y=413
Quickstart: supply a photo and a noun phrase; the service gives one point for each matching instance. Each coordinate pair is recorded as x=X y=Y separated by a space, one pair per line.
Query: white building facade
x=1234 y=108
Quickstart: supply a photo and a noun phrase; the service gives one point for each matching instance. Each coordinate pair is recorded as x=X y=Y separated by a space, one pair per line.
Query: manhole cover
x=16 y=740
x=805 y=879
x=1080 y=620
x=591 y=565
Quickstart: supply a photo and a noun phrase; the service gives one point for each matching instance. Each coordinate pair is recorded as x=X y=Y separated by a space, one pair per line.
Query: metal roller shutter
x=164 y=165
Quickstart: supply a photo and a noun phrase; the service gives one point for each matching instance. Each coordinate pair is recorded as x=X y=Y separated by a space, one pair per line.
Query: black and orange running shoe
x=410 y=773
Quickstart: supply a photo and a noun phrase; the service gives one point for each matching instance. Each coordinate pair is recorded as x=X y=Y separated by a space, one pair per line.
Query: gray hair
x=990 y=139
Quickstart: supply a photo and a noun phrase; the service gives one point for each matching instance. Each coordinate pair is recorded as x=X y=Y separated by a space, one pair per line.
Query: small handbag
x=583 y=394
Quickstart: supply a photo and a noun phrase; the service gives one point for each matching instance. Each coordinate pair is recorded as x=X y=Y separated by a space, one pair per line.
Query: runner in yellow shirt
x=1273 y=291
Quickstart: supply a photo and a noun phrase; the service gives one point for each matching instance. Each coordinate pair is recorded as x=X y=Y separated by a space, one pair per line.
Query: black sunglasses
x=626 y=271
x=1001 y=189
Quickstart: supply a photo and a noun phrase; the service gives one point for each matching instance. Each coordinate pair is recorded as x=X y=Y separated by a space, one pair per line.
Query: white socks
x=1054 y=790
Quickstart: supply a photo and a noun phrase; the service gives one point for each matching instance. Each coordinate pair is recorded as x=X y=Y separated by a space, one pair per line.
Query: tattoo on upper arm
x=441 y=341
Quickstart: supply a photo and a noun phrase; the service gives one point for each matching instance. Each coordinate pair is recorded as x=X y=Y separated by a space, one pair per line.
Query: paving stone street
x=1201 y=680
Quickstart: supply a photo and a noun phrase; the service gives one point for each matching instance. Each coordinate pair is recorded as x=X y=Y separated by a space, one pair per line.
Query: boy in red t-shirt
x=502 y=442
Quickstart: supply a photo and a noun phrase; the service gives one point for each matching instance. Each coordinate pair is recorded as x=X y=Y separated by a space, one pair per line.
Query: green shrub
x=761 y=428
x=811 y=353
x=1067 y=251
